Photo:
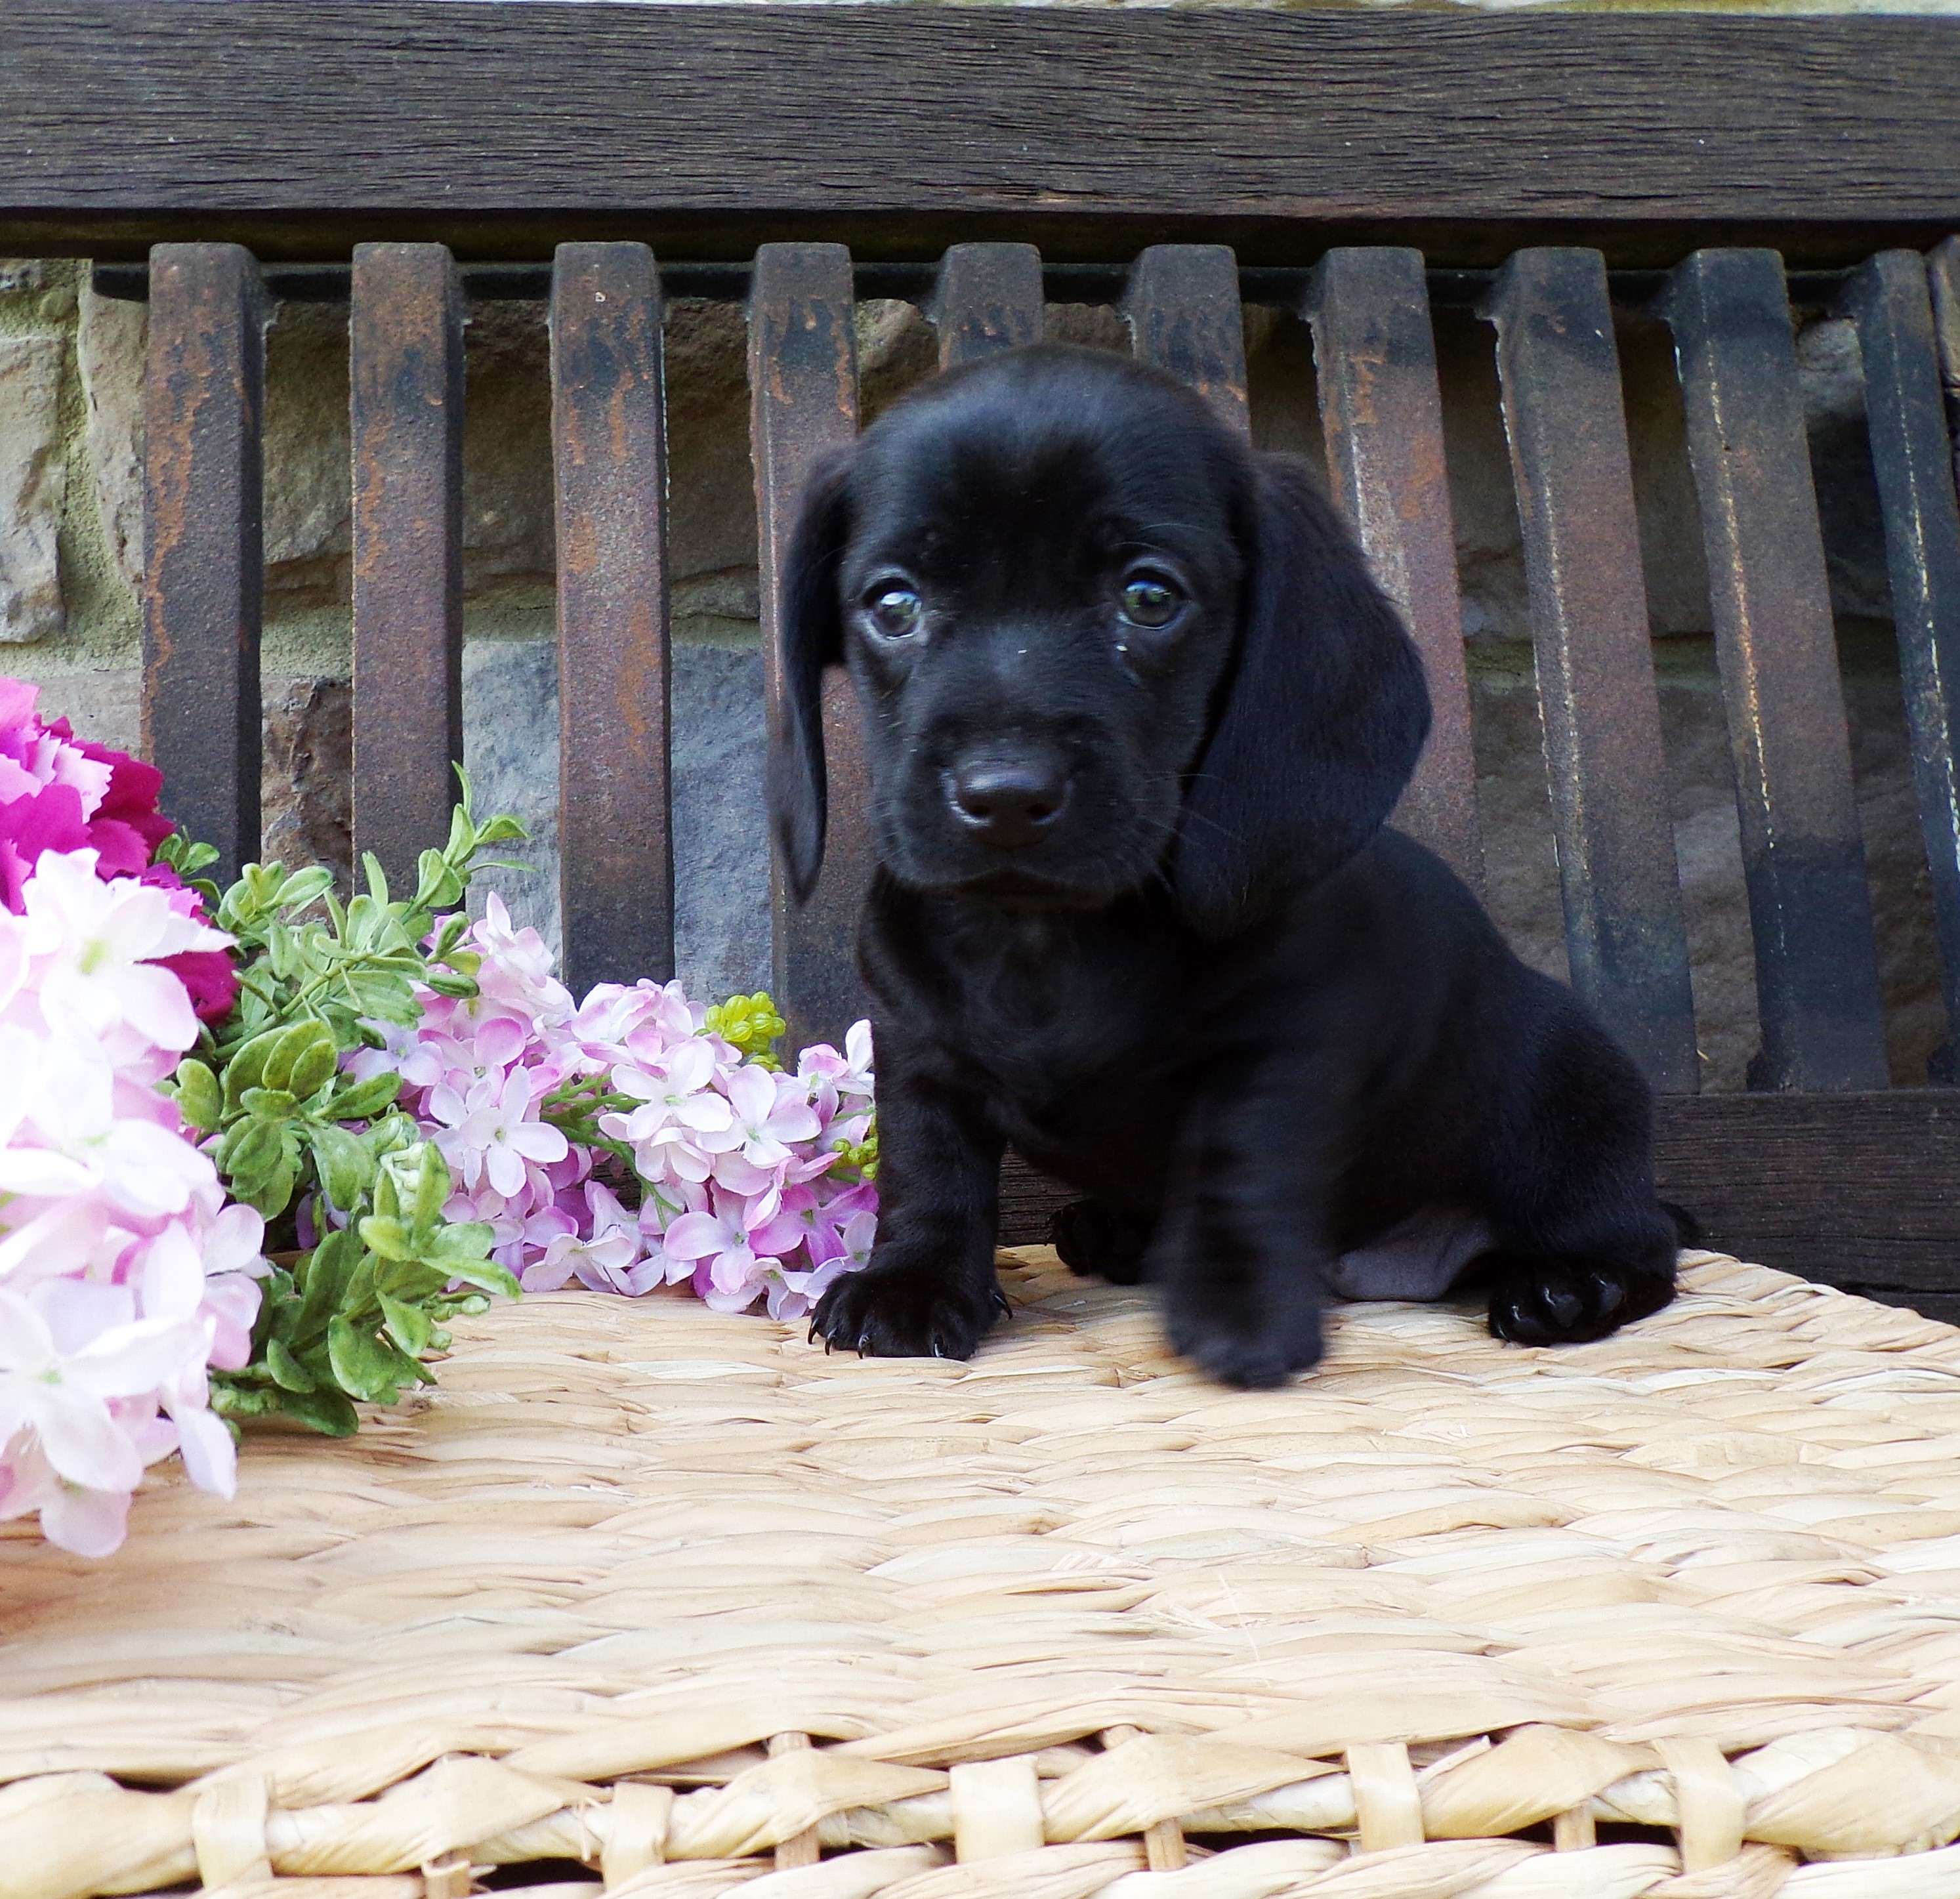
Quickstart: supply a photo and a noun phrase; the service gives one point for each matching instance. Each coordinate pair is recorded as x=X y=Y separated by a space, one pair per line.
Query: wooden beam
x=1861 y=1190
x=293 y=127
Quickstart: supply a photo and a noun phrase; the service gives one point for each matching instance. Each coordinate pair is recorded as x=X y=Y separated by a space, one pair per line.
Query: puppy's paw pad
x=1563 y=1302
x=906 y=1314
x=1096 y=1240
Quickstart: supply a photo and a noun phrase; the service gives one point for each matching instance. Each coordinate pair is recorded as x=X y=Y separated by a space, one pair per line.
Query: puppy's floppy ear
x=813 y=637
x=1320 y=721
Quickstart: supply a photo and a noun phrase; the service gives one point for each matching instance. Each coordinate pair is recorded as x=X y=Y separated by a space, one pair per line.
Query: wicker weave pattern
x=678 y=1597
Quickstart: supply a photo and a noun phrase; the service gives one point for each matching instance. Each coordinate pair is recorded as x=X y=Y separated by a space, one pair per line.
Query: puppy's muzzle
x=1007 y=803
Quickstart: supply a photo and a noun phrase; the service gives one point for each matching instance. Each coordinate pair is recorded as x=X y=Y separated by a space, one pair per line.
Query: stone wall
x=71 y=552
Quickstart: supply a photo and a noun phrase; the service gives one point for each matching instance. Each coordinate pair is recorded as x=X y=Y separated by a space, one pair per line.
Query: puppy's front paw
x=1545 y=1299
x=1095 y=1238
x=907 y=1312
x=1253 y=1344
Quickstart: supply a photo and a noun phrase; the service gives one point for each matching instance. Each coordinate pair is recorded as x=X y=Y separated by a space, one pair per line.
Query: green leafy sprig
x=352 y=1315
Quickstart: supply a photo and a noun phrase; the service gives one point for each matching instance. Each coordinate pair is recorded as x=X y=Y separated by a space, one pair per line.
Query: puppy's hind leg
x=1583 y=1245
x=1100 y=1239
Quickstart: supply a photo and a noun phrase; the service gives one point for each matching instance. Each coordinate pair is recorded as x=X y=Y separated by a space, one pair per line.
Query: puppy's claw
x=899 y=1312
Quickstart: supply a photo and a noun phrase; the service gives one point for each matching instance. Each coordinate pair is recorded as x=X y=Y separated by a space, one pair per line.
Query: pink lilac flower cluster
x=60 y=792
x=743 y=1189
x=123 y=1274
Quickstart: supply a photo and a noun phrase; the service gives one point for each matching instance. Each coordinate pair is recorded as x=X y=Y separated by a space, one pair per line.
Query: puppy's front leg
x=1241 y=1253
x=929 y=1290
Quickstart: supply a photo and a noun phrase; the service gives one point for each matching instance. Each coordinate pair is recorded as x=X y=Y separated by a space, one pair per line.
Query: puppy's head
x=1095 y=641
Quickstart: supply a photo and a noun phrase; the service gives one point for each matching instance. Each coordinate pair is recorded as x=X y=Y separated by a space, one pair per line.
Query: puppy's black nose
x=1008 y=804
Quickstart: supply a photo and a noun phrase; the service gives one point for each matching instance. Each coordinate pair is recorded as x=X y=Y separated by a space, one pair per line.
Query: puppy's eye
x=1150 y=600
x=894 y=611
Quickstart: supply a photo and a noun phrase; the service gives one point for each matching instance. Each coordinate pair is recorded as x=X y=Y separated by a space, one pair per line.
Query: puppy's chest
x=1082 y=1037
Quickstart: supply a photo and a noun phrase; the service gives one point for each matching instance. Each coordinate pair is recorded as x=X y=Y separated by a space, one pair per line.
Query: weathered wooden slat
x=204 y=573
x=592 y=121
x=1857 y=1190
x=1913 y=455
x=609 y=453
x=988 y=297
x=1560 y=371
x=405 y=350
x=1381 y=416
x=205 y=559
x=1182 y=308
x=1817 y=980
x=1943 y=275
x=803 y=387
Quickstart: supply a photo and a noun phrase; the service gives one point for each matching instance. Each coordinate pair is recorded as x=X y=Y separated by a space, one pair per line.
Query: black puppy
x=1136 y=713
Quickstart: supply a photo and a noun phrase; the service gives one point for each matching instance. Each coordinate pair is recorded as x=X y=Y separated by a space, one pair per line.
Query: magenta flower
x=62 y=794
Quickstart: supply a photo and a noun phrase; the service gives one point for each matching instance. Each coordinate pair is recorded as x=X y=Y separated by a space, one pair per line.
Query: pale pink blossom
x=606 y=1260
x=93 y=947
x=496 y=1136
x=714 y=1138
x=770 y=1113
x=727 y=1275
x=58 y=1101
x=60 y=1363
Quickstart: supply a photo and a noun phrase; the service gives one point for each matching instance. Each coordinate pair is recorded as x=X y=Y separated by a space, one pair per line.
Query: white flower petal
x=82 y=1441
x=211 y=1458
x=86 y=1522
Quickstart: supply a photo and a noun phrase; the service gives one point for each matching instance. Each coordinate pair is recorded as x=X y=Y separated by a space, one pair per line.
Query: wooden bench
x=981 y=162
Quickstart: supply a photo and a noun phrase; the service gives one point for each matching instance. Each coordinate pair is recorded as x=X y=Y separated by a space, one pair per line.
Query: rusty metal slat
x=204 y=574
x=1182 y=304
x=802 y=388
x=1380 y=411
x=1559 y=368
x=1912 y=454
x=609 y=457
x=406 y=342
x=1816 y=979
x=1943 y=274
x=988 y=297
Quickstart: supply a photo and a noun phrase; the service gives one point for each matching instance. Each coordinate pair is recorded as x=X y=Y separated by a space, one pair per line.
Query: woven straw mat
x=668 y=1603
